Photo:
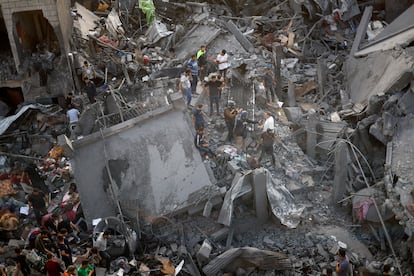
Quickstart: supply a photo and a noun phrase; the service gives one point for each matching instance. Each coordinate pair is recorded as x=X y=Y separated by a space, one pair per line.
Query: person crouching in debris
x=184 y=86
x=230 y=114
x=198 y=118
x=268 y=139
x=90 y=90
x=240 y=130
x=202 y=145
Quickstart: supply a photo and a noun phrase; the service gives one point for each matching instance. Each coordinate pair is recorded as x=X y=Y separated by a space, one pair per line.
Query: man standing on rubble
x=267 y=140
x=88 y=72
x=213 y=91
x=198 y=117
x=90 y=90
x=268 y=82
x=202 y=61
x=37 y=202
x=72 y=116
x=184 y=86
x=230 y=114
x=193 y=66
x=223 y=63
x=342 y=264
x=240 y=130
x=269 y=123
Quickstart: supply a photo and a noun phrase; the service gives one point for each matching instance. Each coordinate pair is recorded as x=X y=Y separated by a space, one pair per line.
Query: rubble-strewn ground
x=342 y=118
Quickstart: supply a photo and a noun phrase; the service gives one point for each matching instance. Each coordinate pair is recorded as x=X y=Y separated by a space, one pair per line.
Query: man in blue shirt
x=342 y=265
x=198 y=118
x=193 y=66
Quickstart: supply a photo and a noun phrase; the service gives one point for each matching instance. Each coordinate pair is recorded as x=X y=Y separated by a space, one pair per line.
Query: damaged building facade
x=36 y=35
x=343 y=74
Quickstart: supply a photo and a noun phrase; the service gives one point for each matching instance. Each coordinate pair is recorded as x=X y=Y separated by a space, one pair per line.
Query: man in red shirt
x=52 y=266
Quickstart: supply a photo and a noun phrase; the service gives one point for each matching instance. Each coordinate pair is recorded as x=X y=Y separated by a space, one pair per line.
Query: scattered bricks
x=220 y=234
x=174 y=247
x=182 y=250
x=204 y=253
x=334 y=249
x=322 y=251
x=232 y=165
x=162 y=251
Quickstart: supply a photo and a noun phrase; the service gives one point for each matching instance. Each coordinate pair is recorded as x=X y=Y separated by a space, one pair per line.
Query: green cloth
x=84 y=271
x=200 y=53
x=148 y=8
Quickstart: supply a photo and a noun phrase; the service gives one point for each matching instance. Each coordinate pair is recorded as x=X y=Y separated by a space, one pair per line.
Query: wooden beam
x=361 y=30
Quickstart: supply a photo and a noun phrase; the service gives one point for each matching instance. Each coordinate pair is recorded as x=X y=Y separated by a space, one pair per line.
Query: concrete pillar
x=260 y=194
x=311 y=135
x=341 y=172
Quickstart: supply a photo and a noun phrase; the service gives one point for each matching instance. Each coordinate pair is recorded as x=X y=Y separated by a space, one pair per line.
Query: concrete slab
x=152 y=160
x=377 y=74
x=194 y=38
x=399 y=32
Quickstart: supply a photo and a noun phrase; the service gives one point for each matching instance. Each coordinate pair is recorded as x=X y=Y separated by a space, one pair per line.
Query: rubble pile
x=342 y=112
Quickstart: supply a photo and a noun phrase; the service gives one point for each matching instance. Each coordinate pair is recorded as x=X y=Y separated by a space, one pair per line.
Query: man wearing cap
x=230 y=114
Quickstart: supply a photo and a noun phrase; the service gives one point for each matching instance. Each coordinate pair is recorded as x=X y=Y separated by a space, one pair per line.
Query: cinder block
x=204 y=253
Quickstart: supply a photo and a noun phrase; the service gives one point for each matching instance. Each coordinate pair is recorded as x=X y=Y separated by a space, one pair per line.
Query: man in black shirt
x=267 y=145
x=268 y=82
x=37 y=202
x=202 y=144
x=214 y=87
x=21 y=262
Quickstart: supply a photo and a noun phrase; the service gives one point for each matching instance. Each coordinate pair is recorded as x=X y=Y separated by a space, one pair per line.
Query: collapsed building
x=344 y=84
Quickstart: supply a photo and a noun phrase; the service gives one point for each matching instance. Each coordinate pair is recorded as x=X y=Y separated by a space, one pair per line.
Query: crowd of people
x=236 y=119
x=49 y=245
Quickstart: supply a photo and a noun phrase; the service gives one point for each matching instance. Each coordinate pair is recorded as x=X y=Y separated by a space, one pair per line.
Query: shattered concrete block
x=322 y=251
x=220 y=234
x=66 y=144
x=334 y=249
x=182 y=250
x=162 y=250
x=204 y=253
x=232 y=165
x=174 y=247
x=16 y=243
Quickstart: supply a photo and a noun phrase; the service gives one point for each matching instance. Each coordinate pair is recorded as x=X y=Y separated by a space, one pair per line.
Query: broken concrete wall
x=153 y=162
x=65 y=21
x=49 y=10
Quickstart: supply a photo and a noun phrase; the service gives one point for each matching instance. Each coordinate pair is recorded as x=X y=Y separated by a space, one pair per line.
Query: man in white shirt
x=101 y=244
x=184 y=86
x=269 y=122
x=222 y=61
x=72 y=116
